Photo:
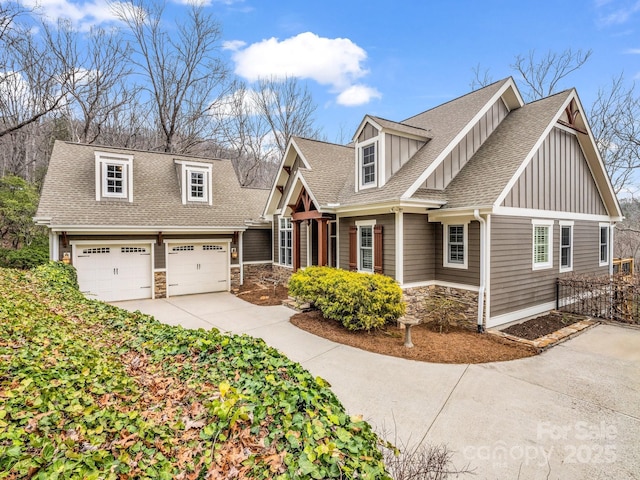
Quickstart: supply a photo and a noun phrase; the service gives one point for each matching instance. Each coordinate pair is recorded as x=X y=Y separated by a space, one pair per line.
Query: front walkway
x=573 y=410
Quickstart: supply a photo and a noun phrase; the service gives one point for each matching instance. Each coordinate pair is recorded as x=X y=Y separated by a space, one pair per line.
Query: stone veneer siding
x=415 y=299
x=160 y=284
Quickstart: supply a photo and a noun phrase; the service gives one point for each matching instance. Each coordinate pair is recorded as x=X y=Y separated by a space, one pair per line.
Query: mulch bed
x=454 y=346
x=541 y=326
x=264 y=295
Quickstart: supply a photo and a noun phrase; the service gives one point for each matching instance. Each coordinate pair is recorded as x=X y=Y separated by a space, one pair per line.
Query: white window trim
x=366 y=223
x=566 y=223
x=549 y=263
x=185 y=182
x=608 y=227
x=102 y=159
x=206 y=173
x=280 y=230
x=359 y=153
x=445 y=245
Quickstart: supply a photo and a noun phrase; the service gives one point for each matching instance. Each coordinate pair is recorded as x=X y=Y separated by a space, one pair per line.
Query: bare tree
x=256 y=125
x=182 y=74
x=288 y=108
x=542 y=75
x=481 y=77
x=614 y=121
x=98 y=81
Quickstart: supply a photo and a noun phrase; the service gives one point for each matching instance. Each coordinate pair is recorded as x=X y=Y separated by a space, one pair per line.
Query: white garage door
x=114 y=272
x=197 y=268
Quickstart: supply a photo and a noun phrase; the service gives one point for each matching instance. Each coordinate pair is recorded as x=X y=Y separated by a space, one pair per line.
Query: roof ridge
x=565 y=91
x=399 y=123
x=472 y=92
x=140 y=150
x=326 y=142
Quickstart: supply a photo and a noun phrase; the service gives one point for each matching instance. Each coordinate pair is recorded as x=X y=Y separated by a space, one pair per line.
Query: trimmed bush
x=360 y=301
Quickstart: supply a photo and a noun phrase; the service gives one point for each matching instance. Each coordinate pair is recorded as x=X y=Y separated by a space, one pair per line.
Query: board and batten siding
x=464 y=150
x=256 y=245
x=398 y=150
x=388 y=222
x=557 y=178
x=419 y=249
x=367 y=133
x=468 y=276
x=514 y=283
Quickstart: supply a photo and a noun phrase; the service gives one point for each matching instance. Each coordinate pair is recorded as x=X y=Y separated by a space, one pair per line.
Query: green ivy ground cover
x=91 y=391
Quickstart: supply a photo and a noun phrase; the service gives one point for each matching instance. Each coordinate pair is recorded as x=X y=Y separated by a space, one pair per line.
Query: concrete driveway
x=571 y=413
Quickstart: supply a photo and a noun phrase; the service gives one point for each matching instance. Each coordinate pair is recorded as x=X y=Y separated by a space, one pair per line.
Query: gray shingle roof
x=68 y=194
x=488 y=172
x=331 y=166
x=401 y=127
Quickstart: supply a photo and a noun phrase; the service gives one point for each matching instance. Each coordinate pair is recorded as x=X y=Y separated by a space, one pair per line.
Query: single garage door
x=197 y=268
x=114 y=272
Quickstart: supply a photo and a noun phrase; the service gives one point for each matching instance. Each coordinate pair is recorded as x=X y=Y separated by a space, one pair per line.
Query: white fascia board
x=365 y=120
x=42 y=220
x=292 y=146
x=412 y=136
x=120 y=229
x=602 y=169
x=552 y=214
x=299 y=178
x=457 y=214
x=415 y=206
x=509 y=84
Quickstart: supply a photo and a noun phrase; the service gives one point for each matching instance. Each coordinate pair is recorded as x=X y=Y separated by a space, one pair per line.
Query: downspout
x=483 y=240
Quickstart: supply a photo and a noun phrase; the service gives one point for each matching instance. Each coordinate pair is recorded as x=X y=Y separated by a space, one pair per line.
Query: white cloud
x=336 y=62
x=82 y=15
x=233 y=45
x=618 y=12
x=357 y=95
x=633 y=51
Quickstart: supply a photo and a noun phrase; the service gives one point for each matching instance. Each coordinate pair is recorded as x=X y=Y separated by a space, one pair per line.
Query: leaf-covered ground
x=91 y=391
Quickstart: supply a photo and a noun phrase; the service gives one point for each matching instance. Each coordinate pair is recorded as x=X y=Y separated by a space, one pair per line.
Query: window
x=566 y=246
x=114 y=176
x=369 y=164
x=197 y=185
x=604 y=244
x=195 y=181
x=542 y=237
x=365 y=248
x=454 y=245
x=286 y=241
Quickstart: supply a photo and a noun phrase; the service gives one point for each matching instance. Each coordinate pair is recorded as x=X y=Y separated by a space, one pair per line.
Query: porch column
x=322 y=241
x=296 y=245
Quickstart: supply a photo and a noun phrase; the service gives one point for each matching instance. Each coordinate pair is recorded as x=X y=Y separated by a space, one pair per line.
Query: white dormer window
x=368 y=165
x=114 y=176
x=195 y=182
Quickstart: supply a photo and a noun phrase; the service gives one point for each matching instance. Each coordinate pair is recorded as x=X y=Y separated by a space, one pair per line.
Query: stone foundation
x=283 y=274
x=256 y=271
x=235 y=277
x=160 y=284
x=467 y=317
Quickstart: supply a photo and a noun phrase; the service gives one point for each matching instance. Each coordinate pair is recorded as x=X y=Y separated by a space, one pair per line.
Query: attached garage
x=112 y=272
x=197 y=267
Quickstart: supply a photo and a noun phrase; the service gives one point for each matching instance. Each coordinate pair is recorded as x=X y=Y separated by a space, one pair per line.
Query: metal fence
x=615 y=297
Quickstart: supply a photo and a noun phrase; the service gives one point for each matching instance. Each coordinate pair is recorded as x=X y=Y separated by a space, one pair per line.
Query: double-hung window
x=542 y=241
x=566 y=246
x=368 y=166
x=365 y=246
x=604 y=244
x=286 y=241
x=455 y=241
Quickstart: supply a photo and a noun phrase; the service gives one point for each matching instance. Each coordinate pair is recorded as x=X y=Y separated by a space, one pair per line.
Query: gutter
x=483 y=267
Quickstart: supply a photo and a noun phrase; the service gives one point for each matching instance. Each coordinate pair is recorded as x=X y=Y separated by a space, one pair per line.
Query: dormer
x=195 y=182
x=382 y=147
x=113 y=176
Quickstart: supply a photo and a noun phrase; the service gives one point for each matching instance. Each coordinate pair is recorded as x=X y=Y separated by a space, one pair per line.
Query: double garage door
x=113 y=272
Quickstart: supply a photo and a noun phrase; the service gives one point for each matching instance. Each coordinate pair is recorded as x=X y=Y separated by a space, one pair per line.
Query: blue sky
x=396 y=59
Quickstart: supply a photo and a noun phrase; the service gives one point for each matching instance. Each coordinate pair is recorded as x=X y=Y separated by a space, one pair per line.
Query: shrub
x=444 y=312
x=29 y=256
x=359 y=301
